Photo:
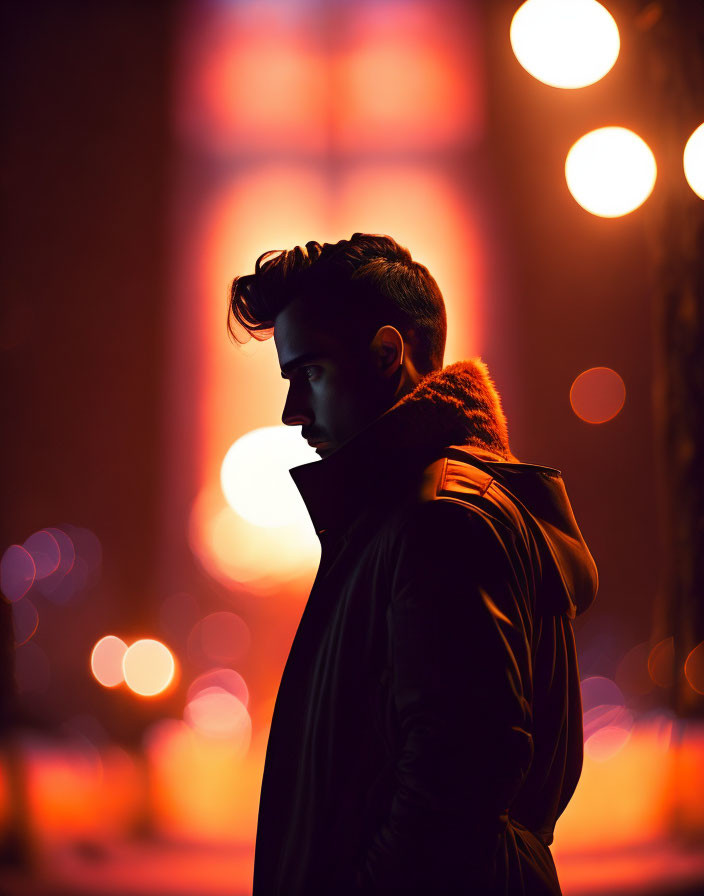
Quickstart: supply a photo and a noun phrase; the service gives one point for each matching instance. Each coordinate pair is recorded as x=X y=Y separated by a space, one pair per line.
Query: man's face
x=333 y=392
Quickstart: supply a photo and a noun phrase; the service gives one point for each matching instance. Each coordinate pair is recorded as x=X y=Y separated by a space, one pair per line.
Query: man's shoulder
x=451 y=488
x=460 y=477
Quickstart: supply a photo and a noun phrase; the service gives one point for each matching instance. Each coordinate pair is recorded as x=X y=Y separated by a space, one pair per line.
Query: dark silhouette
x=427 y=732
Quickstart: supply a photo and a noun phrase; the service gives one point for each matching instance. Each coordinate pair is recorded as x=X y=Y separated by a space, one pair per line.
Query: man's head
x=356 y=324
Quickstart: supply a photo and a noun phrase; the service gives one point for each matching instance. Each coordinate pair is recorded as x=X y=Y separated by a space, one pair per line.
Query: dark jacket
x=427 y=731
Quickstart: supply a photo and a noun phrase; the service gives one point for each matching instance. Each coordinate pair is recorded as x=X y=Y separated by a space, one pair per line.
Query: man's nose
x=295 y=412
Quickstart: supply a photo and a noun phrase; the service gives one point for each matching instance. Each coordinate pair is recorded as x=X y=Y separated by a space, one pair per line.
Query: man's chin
x=325 y=448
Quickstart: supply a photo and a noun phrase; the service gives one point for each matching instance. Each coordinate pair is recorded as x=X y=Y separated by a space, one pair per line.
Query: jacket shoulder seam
x=473 y=487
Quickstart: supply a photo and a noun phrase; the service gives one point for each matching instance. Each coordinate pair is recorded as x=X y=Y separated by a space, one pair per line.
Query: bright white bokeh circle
x=693 y=161
x=255 y=477
x=148 y=667
x=610 y=171
x=106 y=661
x=565 y=43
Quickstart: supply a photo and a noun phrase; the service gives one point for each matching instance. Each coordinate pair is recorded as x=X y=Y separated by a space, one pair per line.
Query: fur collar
x=456 y=405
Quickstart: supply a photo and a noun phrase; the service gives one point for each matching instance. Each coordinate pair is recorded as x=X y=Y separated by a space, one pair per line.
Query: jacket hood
x=458 y=406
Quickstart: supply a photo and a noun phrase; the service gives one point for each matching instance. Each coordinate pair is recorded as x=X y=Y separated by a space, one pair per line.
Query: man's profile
x=427 y=731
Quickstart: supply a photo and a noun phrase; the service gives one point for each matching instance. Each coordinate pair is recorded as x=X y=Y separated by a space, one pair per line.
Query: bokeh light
x=48 y=585
x=202 y=786
x=148 y=667
x=221 y=637
x=17 y=572
x=661 y=662
x=67 y=549
x=597 y=395
x=235 y=552
x=255 y=476
x=106 y=661
x=610 y=171
x=45 y=552
x=599 y=691
x=565 y=43
x=609 y=739
x=216 y=712
x=693 y=161
x=607 y=722
x=223 y=678
x=25 y=620
x=694 y=668
x=79 y=567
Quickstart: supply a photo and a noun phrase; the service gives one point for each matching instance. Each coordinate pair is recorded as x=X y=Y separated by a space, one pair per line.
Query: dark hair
x=363 y=283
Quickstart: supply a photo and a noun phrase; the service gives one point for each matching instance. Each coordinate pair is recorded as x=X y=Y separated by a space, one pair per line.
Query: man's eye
x=306 y=369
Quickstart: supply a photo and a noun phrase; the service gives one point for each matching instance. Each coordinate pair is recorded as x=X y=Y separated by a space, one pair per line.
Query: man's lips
x=315 y=443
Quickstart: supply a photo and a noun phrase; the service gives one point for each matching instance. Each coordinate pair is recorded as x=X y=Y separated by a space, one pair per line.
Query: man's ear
x=388 y=349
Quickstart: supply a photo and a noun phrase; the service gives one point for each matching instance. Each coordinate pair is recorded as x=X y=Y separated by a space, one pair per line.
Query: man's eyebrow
x=296 y=362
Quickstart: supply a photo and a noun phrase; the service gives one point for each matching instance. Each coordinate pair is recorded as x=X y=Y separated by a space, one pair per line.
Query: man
x=427 y=731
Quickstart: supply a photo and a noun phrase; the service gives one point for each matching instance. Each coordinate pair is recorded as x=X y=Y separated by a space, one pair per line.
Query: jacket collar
x=456 y=405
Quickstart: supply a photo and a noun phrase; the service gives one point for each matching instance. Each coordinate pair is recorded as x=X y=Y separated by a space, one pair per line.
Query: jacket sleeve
x=459 y=628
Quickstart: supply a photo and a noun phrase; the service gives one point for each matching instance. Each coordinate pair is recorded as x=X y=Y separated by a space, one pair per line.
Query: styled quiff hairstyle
x=354 y=286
